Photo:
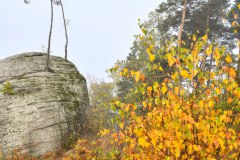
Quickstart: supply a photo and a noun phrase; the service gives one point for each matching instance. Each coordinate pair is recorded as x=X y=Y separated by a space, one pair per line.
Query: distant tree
x=196 y=20
x=137 y=59
x=234 y=19
x=99 y=113
x=27 y=1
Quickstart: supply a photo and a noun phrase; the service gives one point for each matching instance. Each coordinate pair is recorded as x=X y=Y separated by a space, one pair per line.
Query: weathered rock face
x=45 y=108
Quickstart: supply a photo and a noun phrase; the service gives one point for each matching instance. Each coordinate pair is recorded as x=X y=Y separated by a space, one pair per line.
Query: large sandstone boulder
x=46 y=108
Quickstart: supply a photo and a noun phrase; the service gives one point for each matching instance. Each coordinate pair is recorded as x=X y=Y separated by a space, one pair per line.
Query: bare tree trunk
x=180 y=37
x=210 y=68
x=182 y=22
x=207 y=31
x=65 y=27
x=49 y=38
x=238 y=66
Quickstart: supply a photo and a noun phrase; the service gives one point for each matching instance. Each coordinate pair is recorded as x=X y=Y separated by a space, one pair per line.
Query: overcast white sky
x=100 y=31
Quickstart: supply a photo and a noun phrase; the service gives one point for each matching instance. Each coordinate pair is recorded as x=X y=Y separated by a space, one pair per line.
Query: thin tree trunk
x=180 y=38
x=65 y=27
x=49 y=38
x=210 y=69
x=238 y=65
x=182 y=22
x=207 y=31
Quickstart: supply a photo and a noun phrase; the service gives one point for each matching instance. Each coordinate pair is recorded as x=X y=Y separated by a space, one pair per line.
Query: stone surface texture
x=45 y=108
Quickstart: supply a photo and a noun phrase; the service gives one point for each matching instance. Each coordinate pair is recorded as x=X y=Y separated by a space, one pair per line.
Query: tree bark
x=49 y=38
x=180 y=37
x=182 y=22
x=65 y=27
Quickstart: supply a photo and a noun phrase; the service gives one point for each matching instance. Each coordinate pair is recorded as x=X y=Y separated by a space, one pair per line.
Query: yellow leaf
x=149 y=88
x=209 y=50
x=217 y=53
x=177 y=153
x=151 y=47
x=164 y=89
x=228 y=58
x=174 y=76
x=205 y=37
x=150 y=104
x=151 y=57
x=138 y=132
x=201 y=104
x=132 y=73
x=127 y=108
x=170 y=59
x=181 y=92
x=190 y=149
x=104 y=132
x=144 y=103
x=194 y=38
x=160 y=69
x=212 y=75
x=194 y=72
x=176 y=90
x=178 y=134
x=121 y=125
x=239 y=6
x=195 y=147
x=218 y=91
x=143 y=142
x=184 y=73
x=211 y=103
x=148 y=50
x=137 y=76
x=225 y=81
x=221 y=142
x=125 y=70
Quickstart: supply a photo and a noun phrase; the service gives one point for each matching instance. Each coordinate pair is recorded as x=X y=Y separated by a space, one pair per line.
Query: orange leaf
x=142 y=77
x=208 y=91
x=232 y=72
x=230 y=100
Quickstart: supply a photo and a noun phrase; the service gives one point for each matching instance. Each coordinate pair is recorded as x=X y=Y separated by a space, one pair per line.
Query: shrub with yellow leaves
x=193 y=114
